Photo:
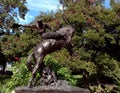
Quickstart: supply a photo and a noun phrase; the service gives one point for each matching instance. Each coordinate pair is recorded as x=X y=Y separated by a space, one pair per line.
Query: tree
x=96 y=38
x=66 y=3
x=8 y=13
x=96 y=42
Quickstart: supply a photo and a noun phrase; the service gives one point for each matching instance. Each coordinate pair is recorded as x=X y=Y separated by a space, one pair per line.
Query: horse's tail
x=29 y=63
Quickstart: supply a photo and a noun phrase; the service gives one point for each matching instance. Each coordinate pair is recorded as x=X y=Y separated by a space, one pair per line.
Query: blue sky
x=35 y=6
x=107 y=3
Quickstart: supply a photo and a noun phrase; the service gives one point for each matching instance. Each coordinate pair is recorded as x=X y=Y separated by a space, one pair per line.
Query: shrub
x=20 y=77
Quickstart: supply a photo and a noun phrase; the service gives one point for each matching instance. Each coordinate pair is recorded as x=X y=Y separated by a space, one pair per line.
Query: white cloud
x=42 y=5
x=35 y=6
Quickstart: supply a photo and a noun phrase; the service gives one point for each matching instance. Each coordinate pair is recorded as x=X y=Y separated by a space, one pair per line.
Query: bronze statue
x=42 y=27
x=48 y=46
x=48 y=76
x=52 y=41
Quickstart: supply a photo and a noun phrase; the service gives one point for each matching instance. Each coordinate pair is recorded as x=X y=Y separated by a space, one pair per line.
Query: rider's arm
x=30 y=26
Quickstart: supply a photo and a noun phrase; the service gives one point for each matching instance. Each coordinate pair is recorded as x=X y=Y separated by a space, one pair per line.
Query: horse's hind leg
x=36 y=67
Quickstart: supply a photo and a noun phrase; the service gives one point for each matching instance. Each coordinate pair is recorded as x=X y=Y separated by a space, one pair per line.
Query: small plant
x=64 y=73
x=20 y=77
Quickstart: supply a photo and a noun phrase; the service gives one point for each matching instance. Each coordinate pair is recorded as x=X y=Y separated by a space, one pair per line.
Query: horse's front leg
x=36 y=67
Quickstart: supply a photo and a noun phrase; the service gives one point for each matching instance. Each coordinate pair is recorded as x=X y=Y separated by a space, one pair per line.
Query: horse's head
x=68 y=31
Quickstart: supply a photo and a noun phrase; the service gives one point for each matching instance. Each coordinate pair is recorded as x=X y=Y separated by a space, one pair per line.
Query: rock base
x=62 y=88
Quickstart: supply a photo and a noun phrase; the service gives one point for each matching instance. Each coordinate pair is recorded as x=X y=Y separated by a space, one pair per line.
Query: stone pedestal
x=62 y=88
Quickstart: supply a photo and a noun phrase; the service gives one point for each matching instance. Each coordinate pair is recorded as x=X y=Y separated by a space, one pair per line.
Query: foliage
x=61 y=72
x=20 y=77
x=21 y=74
x=64 y=73
x=96 y=43
x=96 y=38
x=100 y=89
x=19 y=44
x=8 y=14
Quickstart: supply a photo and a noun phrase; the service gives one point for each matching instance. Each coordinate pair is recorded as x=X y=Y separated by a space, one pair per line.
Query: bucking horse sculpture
x=47 y=46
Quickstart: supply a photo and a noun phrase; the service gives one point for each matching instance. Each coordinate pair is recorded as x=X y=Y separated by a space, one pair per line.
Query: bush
x=62 y=72
x=65 y=74
x=20 y=77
